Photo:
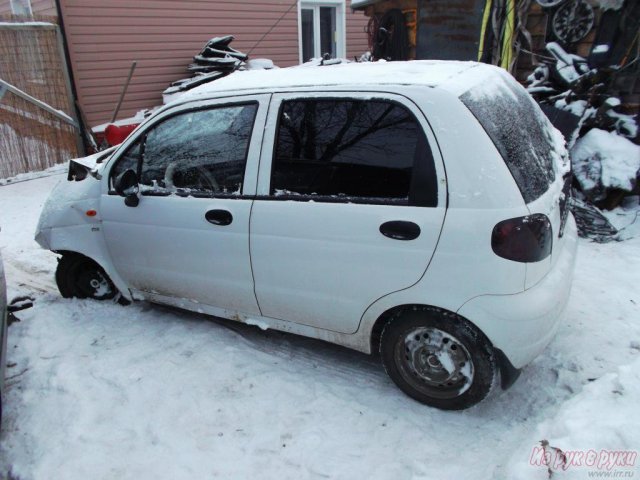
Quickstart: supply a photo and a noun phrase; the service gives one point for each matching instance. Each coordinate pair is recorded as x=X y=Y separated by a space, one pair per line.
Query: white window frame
x=341 y=25
x=21 y=7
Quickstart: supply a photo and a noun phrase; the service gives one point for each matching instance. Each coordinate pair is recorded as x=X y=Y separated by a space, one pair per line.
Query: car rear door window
x=199 y=152
x=372 y=151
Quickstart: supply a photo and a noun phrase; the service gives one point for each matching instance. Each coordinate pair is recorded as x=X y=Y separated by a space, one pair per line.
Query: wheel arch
x=508 y=373
x=104 y=263
x=99 y=262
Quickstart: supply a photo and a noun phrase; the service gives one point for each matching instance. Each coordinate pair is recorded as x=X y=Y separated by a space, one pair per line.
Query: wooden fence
x=32 y=138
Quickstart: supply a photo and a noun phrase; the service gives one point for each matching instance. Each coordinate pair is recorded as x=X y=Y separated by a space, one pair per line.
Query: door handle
x=219 y=217
x=400 y=230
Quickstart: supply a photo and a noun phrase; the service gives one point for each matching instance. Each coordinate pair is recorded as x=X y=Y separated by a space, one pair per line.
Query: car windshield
x=525 y=138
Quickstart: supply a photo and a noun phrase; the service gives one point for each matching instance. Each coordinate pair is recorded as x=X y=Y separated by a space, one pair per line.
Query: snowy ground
x=96 y=390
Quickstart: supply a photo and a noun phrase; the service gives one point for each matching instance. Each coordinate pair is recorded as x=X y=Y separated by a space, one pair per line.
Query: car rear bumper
x=521 y=325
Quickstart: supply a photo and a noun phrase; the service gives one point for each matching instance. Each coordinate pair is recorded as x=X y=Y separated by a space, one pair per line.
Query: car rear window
x=521 y=133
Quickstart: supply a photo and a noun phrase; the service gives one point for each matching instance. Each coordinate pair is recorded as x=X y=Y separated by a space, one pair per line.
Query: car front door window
x=199 y=153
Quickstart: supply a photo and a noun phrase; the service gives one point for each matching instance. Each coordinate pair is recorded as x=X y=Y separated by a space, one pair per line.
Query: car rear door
x=535 y=153
x=187 y=239
x=350 y=205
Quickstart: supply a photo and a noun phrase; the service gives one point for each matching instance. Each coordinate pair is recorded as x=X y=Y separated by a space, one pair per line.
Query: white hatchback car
x=410 y=208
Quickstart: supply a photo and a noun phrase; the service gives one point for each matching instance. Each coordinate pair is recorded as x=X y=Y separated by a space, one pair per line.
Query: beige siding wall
x=357 y=42
x=163 y=35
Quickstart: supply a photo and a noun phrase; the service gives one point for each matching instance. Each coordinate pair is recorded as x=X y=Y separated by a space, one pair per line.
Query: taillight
x=523 y=239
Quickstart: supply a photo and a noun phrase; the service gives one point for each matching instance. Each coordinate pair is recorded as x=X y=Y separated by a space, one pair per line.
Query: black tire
x=438 y=358
x=79 y=276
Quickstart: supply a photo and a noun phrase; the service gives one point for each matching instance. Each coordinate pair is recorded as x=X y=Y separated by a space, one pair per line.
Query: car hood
x=97 y=159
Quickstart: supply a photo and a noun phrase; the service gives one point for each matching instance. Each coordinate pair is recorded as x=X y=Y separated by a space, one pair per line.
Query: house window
x=321 y=29
x=21 y=7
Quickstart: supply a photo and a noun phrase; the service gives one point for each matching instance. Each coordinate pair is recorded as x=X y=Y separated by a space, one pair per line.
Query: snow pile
x=610 y=4
x=27 y=24
x=602 y=417
x=603 y=160
x=569 y=66
x=23 y=177
x=138 y=118
x=577 y=107
x=625 y=218
x=260 y=64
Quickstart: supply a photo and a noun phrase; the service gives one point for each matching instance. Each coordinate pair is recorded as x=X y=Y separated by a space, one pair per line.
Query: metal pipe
x=58 y=113
x=124 y=91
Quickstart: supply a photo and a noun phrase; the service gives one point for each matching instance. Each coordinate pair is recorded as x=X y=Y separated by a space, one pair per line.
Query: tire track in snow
x=297 y=352
x=22 y=277
x=289 y=350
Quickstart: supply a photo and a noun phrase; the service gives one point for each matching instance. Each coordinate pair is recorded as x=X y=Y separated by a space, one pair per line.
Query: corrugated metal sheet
x=449 y=29
x=163 y=35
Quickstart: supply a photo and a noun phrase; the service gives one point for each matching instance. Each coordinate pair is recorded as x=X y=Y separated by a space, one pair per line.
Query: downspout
x=74 y=93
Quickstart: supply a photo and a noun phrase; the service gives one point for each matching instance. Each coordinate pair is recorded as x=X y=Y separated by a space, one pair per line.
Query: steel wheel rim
x=434 y=362
x=91 y=283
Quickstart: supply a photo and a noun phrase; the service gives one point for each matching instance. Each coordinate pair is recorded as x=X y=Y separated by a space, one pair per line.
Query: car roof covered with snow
x=454 y=76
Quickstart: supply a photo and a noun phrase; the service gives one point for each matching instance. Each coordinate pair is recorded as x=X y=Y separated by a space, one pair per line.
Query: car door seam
x=253 y=201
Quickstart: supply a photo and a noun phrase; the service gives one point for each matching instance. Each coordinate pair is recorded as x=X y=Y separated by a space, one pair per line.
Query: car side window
x=199 y=152
x=362 y=150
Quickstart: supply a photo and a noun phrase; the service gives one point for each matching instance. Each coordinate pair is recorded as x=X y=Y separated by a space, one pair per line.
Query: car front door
x=187 y=238
x=351 y=201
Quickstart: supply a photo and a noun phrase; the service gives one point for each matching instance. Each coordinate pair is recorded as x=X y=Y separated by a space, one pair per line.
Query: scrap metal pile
x=218 y=56
x=216 y=60
x=581 y=97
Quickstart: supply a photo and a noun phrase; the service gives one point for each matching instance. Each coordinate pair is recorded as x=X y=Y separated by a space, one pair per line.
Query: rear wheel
x=79 y=276
x=438 y=358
